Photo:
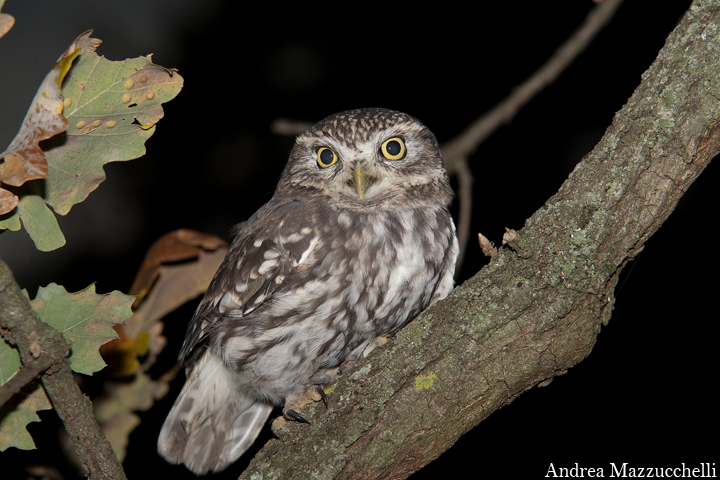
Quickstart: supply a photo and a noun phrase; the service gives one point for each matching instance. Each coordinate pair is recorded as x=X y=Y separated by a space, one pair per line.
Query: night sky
x=646 y=393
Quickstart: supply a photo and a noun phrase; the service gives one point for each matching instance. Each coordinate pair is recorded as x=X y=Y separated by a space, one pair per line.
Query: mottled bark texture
x=44 y=350
x=537 y=308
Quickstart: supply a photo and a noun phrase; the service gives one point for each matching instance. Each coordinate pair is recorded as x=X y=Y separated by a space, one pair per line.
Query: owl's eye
x=393 y=148
x=326 y=157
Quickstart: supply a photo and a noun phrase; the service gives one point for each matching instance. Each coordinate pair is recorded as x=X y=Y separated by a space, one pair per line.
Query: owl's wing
x=265 y=250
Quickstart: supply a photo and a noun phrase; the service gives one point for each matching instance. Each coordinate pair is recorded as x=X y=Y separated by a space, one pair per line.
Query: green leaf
x=20 y=409
x=111 y=108
x=40 y=223
x=85 y=319
x=10 y=221
x=17 y=413
x=9 y=361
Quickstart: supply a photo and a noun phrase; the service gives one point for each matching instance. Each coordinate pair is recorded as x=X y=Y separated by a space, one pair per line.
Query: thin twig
x=457 y=151
x=31 y=369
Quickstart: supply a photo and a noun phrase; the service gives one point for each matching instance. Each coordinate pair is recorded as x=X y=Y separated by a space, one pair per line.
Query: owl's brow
x=354 y=128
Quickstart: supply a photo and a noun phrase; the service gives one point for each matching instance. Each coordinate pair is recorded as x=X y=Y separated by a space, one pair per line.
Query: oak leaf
x=85 y=319
x=112 y=108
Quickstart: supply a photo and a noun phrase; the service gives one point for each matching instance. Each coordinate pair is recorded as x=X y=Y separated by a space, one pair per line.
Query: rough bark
x=536 y=309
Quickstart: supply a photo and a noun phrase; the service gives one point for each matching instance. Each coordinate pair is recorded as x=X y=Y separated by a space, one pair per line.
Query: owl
x=356 y=241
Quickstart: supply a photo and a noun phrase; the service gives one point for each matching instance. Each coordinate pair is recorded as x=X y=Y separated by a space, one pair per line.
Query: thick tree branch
x=537 y=308
x=41 y=345
x=76 y=412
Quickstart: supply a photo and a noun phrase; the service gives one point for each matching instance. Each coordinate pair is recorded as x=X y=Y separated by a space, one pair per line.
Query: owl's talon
x=323 y=397
x=280 y=421
x=277 y=424
x=295 y=416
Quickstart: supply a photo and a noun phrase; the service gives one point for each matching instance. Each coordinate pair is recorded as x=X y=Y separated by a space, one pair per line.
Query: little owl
x=356 y=241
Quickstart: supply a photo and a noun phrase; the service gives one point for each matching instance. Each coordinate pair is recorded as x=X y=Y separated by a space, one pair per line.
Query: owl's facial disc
x=360 y=180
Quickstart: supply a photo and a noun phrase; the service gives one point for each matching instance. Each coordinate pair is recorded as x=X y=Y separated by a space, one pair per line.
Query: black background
x=646 y=394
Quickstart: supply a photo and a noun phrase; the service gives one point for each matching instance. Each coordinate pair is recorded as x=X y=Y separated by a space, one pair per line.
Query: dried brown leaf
x=175 y=246
x=6 y=21
x=24 y=160
x=175 y=285
x=8 y=201
x=178 y=267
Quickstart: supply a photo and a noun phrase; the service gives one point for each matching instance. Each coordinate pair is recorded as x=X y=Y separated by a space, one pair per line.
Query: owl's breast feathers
x=305 y=283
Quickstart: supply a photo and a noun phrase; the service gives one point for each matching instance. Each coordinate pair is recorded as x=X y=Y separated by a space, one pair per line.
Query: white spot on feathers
x=229 y=302
x=307 y=252
x=267 y=265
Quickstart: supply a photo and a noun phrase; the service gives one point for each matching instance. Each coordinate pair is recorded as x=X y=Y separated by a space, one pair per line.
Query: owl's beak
x=361 y=180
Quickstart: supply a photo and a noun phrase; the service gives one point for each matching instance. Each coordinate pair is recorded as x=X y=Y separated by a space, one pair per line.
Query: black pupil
x=326 y=156
x=393 y=148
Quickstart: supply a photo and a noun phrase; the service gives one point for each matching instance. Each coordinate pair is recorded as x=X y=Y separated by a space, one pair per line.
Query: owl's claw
x=323 y=397
x=312 y=394
x=295 y=416
x=280 y=421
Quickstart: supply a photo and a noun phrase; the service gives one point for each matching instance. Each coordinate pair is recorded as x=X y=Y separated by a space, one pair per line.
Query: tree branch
x=40 y=344
x=537 y=308
x=32 y=368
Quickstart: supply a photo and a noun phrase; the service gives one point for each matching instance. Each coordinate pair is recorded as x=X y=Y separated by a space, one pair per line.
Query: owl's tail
x=211 y=423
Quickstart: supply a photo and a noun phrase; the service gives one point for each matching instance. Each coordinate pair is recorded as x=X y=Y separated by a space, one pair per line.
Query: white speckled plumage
x=313 y=279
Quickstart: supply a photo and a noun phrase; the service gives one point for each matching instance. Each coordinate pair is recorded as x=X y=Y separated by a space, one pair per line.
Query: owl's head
x=368 y=157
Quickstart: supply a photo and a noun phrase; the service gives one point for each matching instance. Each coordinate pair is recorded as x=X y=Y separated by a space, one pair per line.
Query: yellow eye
x=326 y=157
x=393 y=149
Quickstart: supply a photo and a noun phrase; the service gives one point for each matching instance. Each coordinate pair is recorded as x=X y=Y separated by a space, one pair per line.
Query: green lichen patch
x=425 y=381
